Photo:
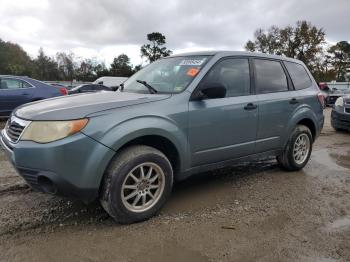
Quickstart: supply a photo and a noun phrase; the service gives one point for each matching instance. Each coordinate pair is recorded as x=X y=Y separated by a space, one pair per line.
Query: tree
x=304 y=42
x=121 y=66
x=66 y=65
x=14 y=60
x=137 y=68
x=101 y=70
x=156 y=49
x=340 y=59
x=85 y=71
x=46 y=68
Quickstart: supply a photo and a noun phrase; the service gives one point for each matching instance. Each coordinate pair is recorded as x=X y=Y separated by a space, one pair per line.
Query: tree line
x=307 y=43
x=67 y=66
x=303 y=41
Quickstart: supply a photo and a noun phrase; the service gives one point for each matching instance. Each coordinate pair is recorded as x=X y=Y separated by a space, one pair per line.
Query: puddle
x=340 y=224
x=331 y=160
x=341 y=160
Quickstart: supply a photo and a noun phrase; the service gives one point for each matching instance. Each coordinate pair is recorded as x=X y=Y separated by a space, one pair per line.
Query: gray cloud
x=224 y=24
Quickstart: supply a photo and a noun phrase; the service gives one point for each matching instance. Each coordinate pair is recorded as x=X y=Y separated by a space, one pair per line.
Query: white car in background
x=110 y=81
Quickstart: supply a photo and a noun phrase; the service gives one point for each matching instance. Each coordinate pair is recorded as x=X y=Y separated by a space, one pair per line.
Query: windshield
x=168 y=75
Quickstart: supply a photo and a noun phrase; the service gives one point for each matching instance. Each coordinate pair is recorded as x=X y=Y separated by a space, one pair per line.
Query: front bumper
x=340 y=120
x=71 y=167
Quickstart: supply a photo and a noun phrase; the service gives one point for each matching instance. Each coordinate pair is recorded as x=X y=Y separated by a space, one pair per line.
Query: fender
x=302 y=112
x=116 y=136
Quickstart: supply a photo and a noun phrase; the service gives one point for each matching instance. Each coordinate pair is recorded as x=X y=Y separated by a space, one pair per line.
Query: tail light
x=63 y=91
x=321 y=99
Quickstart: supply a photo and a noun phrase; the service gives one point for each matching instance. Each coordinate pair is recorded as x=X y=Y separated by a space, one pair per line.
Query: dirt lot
x=251 y=212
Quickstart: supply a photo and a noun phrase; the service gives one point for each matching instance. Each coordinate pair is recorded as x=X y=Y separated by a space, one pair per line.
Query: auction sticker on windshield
x=192 y=62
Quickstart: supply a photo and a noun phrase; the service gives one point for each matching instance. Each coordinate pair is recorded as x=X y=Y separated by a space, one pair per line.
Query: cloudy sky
x=107 y=28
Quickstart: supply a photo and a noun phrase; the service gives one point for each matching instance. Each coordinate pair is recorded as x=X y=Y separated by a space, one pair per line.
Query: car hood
x=81 y=105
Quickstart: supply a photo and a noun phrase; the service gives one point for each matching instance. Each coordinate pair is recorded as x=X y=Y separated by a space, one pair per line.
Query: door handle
x=293 y=101
x=250 y=106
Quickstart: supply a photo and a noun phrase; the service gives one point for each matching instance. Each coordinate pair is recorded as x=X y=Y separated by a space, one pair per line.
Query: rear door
x=224 y=128
x=276 y=103
x=13 y=93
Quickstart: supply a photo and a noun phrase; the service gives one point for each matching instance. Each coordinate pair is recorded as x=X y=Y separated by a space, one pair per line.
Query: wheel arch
x=158 y=132
x=309 y=124
x=303 y=116
x=161 y=143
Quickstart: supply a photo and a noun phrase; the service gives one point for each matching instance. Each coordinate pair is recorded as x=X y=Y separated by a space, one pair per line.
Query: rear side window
x=8 y=83
x=300 y=77
x=233 y=74
x=270 y=76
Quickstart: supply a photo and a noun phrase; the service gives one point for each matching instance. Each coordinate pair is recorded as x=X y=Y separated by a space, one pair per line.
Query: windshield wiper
x=150 y=88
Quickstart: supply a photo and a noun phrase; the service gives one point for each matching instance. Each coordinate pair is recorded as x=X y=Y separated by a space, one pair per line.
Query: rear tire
x=298 y=149
x=136 y=184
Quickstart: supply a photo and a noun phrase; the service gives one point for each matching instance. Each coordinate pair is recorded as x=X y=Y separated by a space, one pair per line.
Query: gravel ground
x=248 y=212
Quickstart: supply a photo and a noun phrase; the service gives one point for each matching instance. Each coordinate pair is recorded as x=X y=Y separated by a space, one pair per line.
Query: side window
x=300 y=77
x=99 y=88
x=26 y=85
x=8 y=83
x=270 y=76
x=233 y=73
x=86 y=88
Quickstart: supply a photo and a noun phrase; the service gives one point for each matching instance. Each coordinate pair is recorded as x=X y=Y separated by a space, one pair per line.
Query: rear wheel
x=137 y=184
x=298 y=149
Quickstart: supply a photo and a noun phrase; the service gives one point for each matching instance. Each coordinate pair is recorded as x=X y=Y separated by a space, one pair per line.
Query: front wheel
x=137 y=184
x=298 y=149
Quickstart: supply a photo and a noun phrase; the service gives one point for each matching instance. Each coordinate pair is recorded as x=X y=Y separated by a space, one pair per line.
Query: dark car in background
x=335 y=91
x=88 y=88
x=340 y=116
x=18 y=90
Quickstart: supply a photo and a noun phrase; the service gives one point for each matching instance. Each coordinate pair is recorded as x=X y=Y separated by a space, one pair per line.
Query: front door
x=224 y=128
x=13 y=93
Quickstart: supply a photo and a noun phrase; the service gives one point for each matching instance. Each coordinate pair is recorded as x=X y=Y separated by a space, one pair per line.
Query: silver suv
x=180 y=115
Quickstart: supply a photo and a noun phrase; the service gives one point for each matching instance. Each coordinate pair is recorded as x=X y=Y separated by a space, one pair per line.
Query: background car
x=88 y=88
x=336 y=91
x=18 y=90
x=110 y=81
x=340 y=116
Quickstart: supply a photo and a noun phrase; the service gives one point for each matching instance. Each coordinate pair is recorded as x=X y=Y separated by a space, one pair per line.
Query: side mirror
x=100 y=83
x=210 y=91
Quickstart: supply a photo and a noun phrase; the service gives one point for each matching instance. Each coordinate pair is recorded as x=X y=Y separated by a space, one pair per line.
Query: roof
x=236 y=53
x=13 y=76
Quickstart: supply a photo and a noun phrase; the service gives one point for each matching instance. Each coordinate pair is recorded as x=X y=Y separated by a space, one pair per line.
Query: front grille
x=14 y=128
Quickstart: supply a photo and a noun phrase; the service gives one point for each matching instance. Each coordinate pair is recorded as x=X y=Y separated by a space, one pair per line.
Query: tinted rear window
x=300 y=77
x=270 y=76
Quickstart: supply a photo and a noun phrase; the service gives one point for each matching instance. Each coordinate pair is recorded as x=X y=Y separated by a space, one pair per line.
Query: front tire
x=137 y=184
x=298 y=149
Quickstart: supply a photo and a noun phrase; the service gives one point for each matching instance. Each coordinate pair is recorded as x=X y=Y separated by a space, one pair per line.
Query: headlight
x=339 y=102
x=49 y=131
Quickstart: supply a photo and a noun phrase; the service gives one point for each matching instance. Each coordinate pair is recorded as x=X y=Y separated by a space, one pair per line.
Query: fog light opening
x=47 y=185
